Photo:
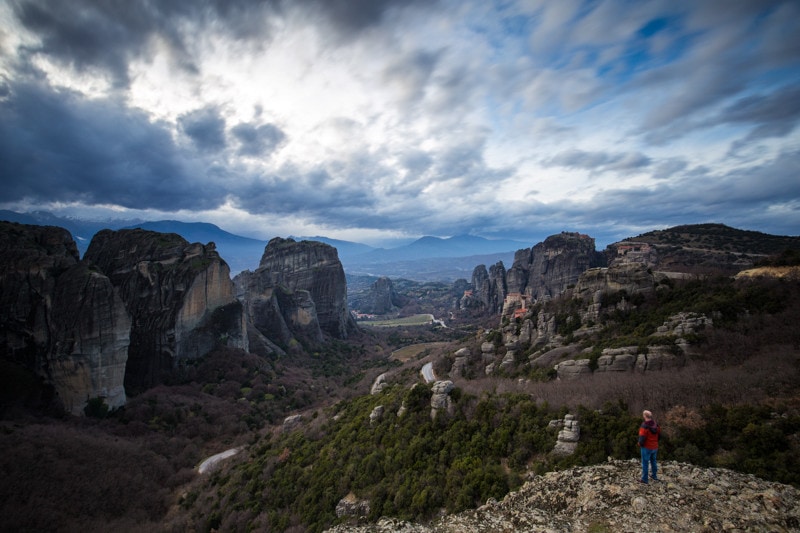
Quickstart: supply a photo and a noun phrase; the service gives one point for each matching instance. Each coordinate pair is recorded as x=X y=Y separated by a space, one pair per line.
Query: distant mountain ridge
x=427 y=258
x=435 y=247
x=241 y=253
x=345 y=249
x=681 y=248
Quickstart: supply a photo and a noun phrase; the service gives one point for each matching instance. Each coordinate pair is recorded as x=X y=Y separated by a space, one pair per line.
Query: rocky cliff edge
x=609 y=498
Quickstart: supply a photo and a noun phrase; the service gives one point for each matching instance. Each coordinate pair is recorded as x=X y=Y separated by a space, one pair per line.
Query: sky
x=378 y=121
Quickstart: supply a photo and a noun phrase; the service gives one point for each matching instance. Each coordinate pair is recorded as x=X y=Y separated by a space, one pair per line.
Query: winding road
x=427 y=373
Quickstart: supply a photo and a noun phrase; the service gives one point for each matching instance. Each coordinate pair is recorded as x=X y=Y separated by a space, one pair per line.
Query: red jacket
x=649 y=433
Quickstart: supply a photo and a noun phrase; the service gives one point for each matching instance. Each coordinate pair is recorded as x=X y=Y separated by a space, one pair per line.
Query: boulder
x=573 y=369
x=508 y=360
x=568 y=436
x=617 y=359
x=291 y=422
x=350 y=506
x=376 y=415
x=440 y=399
x=379 y=384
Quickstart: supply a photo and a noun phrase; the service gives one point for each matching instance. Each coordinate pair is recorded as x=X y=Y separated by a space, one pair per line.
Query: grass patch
x=413 y=320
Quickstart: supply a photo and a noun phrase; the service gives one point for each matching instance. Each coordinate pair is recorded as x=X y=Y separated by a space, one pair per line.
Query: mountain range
x=422 y=259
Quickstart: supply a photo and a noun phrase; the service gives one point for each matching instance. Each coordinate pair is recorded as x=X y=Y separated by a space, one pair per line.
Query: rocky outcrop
x=381 y=299
x=460 y=362
x=379 y=384
x=376 y=415
x=297 y=295
x=573 y=369
x=632 y=278
x=179 y=296
x=60 y=319
x=290 y=423
x=683 y=324
x=568 y=435
x=352 y=507
x=488 y=289
x=607 y=497
x=549 y=268
x=440 y=399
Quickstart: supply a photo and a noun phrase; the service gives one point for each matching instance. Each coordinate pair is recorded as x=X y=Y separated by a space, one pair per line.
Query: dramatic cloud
x=257 y=140
x=403 y=118
x=57 y=146
x=205 y=127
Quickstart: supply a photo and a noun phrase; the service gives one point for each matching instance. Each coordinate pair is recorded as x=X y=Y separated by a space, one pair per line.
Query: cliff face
x=299 y=290
x=381 y=299
x=179 y=296
x=489 y=289
x=60 y=319
x=549 y=268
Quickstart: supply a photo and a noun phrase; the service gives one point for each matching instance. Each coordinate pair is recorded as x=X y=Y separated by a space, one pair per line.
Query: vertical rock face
x=549 y=268
x=307 y=280
x=60 y=319
x=489 y=287
x=382 y=299
x=179 y=296
x=92 y=332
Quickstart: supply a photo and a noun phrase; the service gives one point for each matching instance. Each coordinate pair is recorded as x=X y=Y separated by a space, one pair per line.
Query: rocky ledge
x=608 y=497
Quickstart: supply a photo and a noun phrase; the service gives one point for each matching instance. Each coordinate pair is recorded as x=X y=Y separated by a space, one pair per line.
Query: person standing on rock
x=649 y=433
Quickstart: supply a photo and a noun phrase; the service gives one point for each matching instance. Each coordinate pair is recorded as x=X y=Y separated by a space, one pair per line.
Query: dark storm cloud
x=205 y=127
x=257 y=140
x=108 y=34
x=57 y=146
x=313 y=194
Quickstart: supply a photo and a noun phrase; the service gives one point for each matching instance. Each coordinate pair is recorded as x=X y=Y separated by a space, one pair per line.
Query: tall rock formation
x=298 y=293
x=549 y=268
x=59 y=318
x=179 y=296
x=381 y=299
x=489 y=289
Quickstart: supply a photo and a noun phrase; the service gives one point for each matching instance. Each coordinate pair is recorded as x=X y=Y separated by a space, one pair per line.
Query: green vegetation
x=720 y=237
x=411 y=466
x=756 y=439
x=408 y=466
x=96 y=408
x=787 y=257
x=723 y=299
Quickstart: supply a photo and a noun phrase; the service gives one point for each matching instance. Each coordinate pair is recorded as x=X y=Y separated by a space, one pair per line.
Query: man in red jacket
x=649 y=433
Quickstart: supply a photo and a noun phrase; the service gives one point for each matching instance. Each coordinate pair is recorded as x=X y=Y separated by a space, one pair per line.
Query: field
x=409 y=352
x=414 y=320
